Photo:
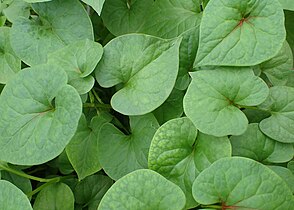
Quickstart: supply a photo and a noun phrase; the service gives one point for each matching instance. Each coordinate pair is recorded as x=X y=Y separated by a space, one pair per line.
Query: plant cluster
x=146 y=104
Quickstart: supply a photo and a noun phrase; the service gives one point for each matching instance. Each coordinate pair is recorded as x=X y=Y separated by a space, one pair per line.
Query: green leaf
x=9 y=63
x=243 y=33
x=145 y=66
x=285 y=174
x=179 y=154
x=63 y=164
x=255 y=145
x=213 y=99
x=35 y=1
x=56 y=196
x=24 y=184
x=280 y=126
x=39 y=115
x=279 y=68
x=171 y=108
x=125 y=16
x=17 y=8
x=287 y=4
x=242 y=183
x=255 y=115
x=128 y=152
x=12 y=198
x=97 y=5
x=289 y=24
x=90 y=190
x=58 y=23
x=290 y=166
x=188 y=50
x=78 y=59
x=143 y=190
x=83 y=150
x=170 y=18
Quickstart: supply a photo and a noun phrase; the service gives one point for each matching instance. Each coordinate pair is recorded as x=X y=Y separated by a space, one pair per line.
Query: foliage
x=146 y=104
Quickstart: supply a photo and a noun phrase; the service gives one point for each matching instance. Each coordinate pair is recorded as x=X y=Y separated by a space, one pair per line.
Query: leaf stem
x=22 y=174
x=96 y=96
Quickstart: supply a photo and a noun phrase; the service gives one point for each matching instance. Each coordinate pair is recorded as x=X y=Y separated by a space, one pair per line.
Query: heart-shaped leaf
x=255 y=145
x=179 y=154
x=82 y=150
x=39 y=115
x=143 y=190
x=128 y=152
x=12 y=198
x=137 y=61
x=280 y=126
x=214 y=97
x=241 y=183
x=57 y=196
x=240 y=33
x=9 y=63
x=78 y=59
x=58 y=23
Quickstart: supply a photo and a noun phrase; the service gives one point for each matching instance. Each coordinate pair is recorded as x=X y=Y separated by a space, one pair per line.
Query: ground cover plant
x=146 y=104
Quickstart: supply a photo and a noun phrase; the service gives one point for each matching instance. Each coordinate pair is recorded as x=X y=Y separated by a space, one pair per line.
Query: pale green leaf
x=12 y=198
x=82 y=150
x=58 y=23
x=97 y=5
x=143 y=190
x=78 y=59
x=289 y=24
x=120 y=154
x=39 y=115
x=145 y=66
x=179 y=154
x=56 y=196
x=213 y=98
x=9 y=63
x=24 y=184
x=17 y=8
x=287 y=4
x=240 y=33
x=280 y=125
x=255 y=145
x=242 y=183
x=285 y=174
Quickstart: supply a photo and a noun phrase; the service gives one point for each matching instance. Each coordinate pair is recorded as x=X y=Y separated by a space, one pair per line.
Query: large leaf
x=59 y=23
x=97 y=5
x=56 y=196
x=125 y=16
x=9 y=63
x=145 y=66
x=82 y=150
x=15 y=9
x=12 y=198
x=120 y=154
x=213 y=99
x=279 y=68
x=78 y=59
x=280 y=126
x=170 y=18
x=243 y=33
x=179 y=154
x=241 y=183
x=90 y=190
x=255 y=145
x=287 y=4
x=143 y=190
x=39 y=115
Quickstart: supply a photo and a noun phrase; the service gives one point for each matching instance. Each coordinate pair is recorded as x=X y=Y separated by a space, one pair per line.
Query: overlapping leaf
x=255 y=145
x=243 y=33
x=143 y=190
x=39 y=115
x=120 y=154
x=280 y=125
x=97 y=5
x=178 y=153
x=145 y=66
x=78 y=59
x=214 y=97
x=242 y=183
x=58 y=23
